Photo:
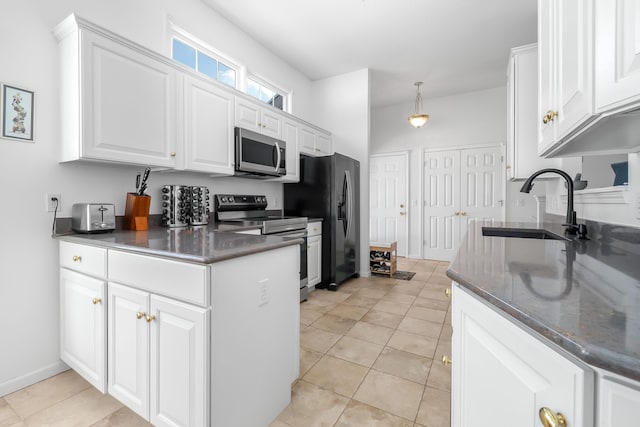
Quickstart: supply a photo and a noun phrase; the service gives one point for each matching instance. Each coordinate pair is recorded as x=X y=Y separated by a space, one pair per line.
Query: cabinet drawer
x=314 y=228
x=84 y=259
x=180 y=280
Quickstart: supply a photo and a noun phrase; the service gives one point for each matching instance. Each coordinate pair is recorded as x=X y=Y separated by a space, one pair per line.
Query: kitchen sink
x=523 y=233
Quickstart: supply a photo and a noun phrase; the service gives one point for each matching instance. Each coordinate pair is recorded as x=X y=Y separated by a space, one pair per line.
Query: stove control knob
x=223 y=200
x=165 y=197
x=231 y=199
x=165 y=189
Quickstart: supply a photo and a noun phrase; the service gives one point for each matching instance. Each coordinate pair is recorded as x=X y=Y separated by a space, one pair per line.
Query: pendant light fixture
x=417 y=119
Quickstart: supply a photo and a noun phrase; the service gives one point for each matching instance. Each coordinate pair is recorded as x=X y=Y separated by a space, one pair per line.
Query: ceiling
x=454 y=46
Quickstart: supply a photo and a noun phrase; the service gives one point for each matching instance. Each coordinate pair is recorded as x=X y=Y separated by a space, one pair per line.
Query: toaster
x=93 y=217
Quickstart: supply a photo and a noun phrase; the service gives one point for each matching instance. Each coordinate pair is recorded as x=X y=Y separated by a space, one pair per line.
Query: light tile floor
x=369 y=357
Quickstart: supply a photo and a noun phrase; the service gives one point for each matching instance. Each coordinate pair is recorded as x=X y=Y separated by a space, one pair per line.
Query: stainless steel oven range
x=252 y=211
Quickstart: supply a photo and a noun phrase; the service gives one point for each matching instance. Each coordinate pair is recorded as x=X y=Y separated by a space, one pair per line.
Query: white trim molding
x=26 y=380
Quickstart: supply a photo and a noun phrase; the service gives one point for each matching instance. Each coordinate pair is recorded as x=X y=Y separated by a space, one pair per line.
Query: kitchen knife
x=137 y=183
x=143 y=184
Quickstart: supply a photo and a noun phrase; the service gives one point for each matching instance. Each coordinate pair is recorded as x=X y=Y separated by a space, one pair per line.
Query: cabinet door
x=323 y=144
x=308 y=141
x=128 y=347
x=499 y=368
x=617 y=53
x=291 y=135
x=128 y=105
x=619 y=403
x=209 y=139
x=83 y=326
x=248 y=115
x=566 y=67
x=314 y=260
x=271 y=123
x=179 y=363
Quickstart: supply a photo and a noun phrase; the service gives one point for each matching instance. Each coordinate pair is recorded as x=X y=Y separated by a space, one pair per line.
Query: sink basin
x=523 y=233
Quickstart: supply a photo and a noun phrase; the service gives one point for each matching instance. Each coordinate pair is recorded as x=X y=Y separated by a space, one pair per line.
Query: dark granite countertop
x=202 y=244
x=583 y=295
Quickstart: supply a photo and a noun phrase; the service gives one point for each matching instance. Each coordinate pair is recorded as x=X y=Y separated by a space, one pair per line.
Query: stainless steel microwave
x=259 y=155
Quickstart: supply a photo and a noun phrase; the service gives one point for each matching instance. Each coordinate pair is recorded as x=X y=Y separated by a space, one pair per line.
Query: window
x=266 y=93
x=204 y=62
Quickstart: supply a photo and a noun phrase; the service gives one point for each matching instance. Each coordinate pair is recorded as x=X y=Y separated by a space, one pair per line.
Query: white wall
x=342 y=105
x=28 y=255
x=474 y=118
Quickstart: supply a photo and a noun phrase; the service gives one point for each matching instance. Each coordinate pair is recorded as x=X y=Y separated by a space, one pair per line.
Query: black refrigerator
x=329 y=188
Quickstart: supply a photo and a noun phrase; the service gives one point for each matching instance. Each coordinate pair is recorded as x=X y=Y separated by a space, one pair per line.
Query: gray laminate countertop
x=583 y=295
x=202 y=244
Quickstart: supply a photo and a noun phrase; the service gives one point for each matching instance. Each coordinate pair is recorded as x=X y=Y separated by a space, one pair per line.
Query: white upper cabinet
x=314 y=142
x=253 y=116
x=291 y=135
x=589 y=83
x=522 y=118
x=208 y=127
x=617 y=53
x=117 y=102
x=566 y=69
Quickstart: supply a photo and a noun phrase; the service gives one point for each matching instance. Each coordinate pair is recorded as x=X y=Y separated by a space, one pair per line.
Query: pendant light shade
x=417 y=119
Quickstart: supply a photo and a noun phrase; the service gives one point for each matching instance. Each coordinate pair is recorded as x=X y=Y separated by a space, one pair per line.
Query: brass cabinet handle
x=172 y=154
x=150 y=318
x=549 y=117
x=551 y=419
x=446 y=361
x=96 y=301
x=456 y=213
x=447 y=292
x=463 y=213
x=77 y=258
x=140 y=314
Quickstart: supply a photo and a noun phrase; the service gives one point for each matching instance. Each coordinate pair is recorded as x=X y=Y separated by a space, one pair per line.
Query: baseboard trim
x=26 y=380
x=414 y=256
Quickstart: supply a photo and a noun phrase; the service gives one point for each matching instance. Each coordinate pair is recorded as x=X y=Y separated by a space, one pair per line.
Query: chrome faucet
x=571 y=220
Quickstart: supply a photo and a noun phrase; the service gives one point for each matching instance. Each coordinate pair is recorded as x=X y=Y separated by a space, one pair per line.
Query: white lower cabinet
x=158 y=356
x=314 y=253
x=499 y=368
x=179 y=343
x=82 y=326
x=618 y=401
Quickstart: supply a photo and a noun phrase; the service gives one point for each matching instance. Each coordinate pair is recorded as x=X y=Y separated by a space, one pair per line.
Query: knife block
x=136 y=212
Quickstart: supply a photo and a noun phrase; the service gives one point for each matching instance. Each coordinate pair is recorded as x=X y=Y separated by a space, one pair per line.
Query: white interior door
x=388 y=200
x=441 y=204
x=481 y=186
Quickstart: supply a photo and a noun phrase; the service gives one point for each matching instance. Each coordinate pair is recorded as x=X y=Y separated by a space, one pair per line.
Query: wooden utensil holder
x=136 y=213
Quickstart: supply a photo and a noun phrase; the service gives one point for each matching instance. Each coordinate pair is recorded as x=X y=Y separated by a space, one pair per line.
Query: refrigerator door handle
x=349 y=197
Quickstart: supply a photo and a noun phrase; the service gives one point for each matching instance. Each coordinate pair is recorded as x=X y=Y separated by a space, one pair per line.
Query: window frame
x=200 y=46
x=286 y=95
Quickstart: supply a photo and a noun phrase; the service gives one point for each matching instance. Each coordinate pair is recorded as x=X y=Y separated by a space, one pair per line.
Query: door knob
x=551 y=419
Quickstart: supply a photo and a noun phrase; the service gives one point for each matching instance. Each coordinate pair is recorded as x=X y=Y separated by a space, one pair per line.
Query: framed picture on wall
x=17 y=113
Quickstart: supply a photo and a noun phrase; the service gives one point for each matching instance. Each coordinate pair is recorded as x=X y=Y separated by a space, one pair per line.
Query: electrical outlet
x=50 y=203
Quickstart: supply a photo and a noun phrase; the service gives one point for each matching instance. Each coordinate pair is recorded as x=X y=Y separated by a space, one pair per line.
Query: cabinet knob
x=446 y=361
x=551 y=419
x=447 y=292
x=456 y=213
x=172 y=154
x=401 y=205
x=151 y=318
x=402 y=213
x=96 y=301
x=508 y=167
x=463 y=213
x=140 y=314
x=76 y=258
x=549 y=117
